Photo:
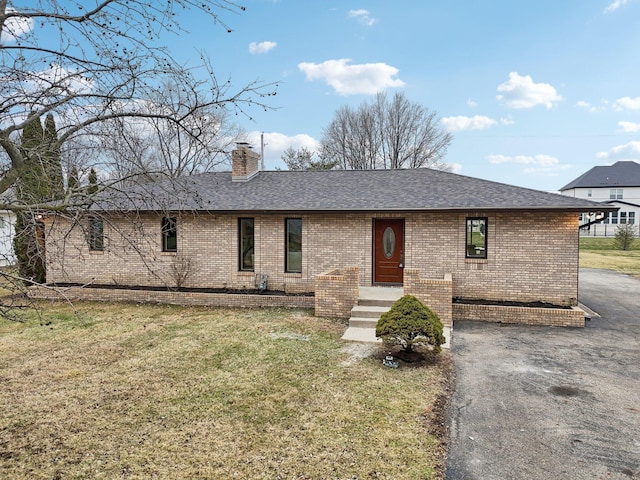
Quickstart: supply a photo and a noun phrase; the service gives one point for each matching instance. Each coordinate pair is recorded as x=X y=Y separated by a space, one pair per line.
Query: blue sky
x=535 y=93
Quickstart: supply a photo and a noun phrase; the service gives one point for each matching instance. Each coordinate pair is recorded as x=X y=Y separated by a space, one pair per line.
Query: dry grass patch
x=601 y=253
x=624 y=262
x=126 y=391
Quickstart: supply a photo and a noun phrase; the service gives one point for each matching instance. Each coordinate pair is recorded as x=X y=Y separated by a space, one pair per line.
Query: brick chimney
x=244 y=163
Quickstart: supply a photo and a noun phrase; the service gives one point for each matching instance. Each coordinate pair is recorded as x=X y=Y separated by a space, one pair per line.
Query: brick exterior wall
x=531 y=256
x=573 y=317
x=336 y=292
x=434 y=293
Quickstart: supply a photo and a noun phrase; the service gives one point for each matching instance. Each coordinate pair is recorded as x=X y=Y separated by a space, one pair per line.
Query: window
x=293 y=247
x=614 y=218
x=615 y=194
x=96 y=234
x=632 y=218
x=476 y=239
x=589 y=193
x=245 y=241
x=623 y=218
x=169 y=234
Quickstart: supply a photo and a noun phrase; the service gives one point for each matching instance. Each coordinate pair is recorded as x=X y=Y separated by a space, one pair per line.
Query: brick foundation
x=558 y=317
x=173 y=298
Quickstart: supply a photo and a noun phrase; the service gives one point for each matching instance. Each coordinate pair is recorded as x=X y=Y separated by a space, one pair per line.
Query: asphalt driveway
x=551 y=403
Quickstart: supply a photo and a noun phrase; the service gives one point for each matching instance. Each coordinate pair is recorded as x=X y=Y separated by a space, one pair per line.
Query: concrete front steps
x=372 y=303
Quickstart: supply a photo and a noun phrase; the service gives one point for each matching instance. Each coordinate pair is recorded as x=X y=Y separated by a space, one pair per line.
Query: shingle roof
x=335 y=191
x=620 y=174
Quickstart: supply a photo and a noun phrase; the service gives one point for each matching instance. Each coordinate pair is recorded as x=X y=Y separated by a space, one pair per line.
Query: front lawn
x=600 y=252
x=128 y=391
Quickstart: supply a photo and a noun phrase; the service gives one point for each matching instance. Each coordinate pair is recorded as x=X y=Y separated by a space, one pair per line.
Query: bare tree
x=93 y=64
x=156 y=145
x=101 y=68
x=395 y=133
x=305 y=159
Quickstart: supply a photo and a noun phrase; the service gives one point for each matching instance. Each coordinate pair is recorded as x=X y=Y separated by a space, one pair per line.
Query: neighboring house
x=7 y=231
x=617 y=185
x=489 y=241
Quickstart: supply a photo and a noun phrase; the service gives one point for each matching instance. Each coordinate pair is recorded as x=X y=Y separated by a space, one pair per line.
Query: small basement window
x=476 y=237
x=169 y=234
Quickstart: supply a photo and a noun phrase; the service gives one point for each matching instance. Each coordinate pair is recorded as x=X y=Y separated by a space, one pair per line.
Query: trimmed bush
x=410 y=323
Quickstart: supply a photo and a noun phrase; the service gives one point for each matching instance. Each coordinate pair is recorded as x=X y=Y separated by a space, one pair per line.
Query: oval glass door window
x=388 y=242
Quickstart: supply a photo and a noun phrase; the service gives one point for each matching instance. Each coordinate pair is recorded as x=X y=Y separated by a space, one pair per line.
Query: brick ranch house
x=440 y=235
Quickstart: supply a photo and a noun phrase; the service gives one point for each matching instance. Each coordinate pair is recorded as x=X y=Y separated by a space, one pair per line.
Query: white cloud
x=262 y=47
x=454 y=167
x=362 y=16
x=508 y=120
x=15 y=27
x=589 y=107
x=627 y=103
x=472 y=103
x=628 y=151
x=537 y=160
x=586 y=106
x=59 y=79
x=276 y=143
x=615 y=5
x=548 y=170
x=520 y=92
x=366 y=78
x=477 y=122
x=545 y=165
x=629 y=127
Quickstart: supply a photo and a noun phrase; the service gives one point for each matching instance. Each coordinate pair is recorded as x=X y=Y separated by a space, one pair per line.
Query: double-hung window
x=96 y=234
x=169 y=231
x=616 y=193
x=476 y=237
x=293 y=245
x=246 y=243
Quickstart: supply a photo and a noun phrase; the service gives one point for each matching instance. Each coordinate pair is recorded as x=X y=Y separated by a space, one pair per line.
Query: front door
x=388 y=250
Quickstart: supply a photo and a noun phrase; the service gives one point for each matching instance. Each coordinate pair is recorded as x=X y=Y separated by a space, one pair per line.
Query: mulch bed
x=184 y=289
x=507 y=303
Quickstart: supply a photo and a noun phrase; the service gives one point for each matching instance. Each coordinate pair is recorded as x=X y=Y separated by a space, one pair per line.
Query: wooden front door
x=388 y=250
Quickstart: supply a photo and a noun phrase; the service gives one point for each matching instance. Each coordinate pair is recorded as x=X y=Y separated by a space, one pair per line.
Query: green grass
x=127 y=391
x=599 y=252
x=604 y=243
